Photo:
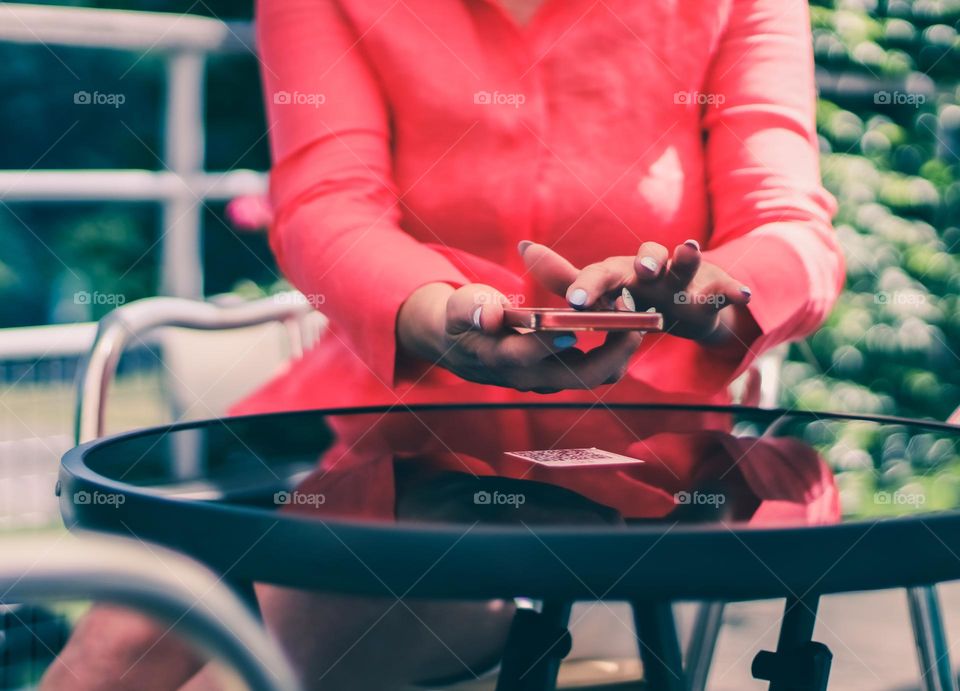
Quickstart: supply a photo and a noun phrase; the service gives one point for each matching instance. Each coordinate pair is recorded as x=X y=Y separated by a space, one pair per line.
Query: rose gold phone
x=549 y=319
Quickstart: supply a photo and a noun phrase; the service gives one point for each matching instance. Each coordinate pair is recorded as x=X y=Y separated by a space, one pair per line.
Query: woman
x=416 y=143
x=665 y=147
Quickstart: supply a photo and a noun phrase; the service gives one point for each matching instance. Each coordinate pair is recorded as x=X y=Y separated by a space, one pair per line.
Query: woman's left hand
x=691 y=293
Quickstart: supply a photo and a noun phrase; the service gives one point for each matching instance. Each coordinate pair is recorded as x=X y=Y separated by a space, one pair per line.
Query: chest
x=550 y=119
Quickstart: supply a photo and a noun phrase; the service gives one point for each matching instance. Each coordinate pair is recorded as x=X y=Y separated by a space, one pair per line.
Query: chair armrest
x=130 y=322
x=769 y=369
x=154 y=580
x=760 y=385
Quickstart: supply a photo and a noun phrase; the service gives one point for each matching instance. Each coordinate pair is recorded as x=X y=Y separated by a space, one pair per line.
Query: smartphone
x=550 y=319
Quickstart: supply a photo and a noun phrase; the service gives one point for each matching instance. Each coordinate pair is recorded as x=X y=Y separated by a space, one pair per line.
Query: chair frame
x=132 y=321
x=184 y=595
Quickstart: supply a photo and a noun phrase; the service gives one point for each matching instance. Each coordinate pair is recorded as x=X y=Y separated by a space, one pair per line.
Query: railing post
x=181 y=273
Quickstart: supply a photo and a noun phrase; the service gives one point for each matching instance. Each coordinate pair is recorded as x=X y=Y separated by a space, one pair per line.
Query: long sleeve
x=336 y=233
x=771 y=218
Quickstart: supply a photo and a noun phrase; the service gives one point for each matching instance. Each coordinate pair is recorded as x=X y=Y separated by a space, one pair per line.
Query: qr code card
x=558 y=458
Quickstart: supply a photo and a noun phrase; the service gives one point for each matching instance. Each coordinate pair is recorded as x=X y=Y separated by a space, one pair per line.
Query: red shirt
x=417 y=141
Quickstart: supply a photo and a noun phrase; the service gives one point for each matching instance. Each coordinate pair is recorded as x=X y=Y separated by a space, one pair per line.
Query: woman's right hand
x=462 y=330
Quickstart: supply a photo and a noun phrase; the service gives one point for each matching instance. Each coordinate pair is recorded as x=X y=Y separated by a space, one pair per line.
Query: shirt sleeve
x=771 y=217
x=336 y=232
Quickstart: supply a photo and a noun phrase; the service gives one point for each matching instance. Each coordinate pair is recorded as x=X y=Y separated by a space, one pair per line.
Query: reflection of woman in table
x=391 y=469
x=664 y=147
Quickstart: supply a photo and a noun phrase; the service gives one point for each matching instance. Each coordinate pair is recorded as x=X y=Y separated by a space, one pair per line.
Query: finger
x=650 y=260
x=548 y=268
x=523 y=350
x=598 y=280
x=625 y=302
x=475 y=307
x=728 y=292
x=539 y=377
x=602 y=365
x=685 y=263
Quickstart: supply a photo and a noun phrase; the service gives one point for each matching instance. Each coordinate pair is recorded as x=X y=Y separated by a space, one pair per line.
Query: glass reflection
x=565 y=467
x=751 y=468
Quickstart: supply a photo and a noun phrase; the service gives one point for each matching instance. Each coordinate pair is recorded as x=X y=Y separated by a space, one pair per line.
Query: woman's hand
x=462 y=330
x=690 y=293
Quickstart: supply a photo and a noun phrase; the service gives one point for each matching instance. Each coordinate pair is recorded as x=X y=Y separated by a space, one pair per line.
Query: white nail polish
x=578 y=297
x=650 y=264
x=476 y=317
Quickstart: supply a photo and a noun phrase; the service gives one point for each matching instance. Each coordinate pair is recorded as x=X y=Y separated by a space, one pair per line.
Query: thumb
x=548 y=268
x=475 y=307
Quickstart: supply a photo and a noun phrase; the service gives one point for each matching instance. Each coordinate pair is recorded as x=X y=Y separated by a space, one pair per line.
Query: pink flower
x=251 y=212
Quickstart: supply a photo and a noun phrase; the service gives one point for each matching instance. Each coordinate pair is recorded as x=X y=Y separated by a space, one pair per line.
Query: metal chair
x=176 y=317
x=154 y=580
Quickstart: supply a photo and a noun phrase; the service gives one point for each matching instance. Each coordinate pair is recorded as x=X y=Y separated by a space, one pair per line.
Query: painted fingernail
x=628 y=300
x=692 y=243
x=565 y=341
x=578 y=297
x=476 y=317
x=746 y=291
x=522 y=246
x=650 y=264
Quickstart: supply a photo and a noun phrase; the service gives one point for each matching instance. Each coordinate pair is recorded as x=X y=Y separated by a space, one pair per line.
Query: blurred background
x=132 y=164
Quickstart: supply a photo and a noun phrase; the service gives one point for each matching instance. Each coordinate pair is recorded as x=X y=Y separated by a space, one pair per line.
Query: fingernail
x=692 y=243
x=746 y=291
x=522 y=246
x=628 y=300
x=476 y=317
x=650 y=264
x=565 y=341
x=578 y=297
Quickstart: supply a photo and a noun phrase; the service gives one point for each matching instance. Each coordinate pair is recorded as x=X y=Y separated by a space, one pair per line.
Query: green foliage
x=891 y=343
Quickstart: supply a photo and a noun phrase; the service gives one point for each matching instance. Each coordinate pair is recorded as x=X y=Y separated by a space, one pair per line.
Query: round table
x=555 y=503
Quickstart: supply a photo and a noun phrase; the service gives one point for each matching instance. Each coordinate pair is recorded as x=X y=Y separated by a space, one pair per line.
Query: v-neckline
x=522 y=27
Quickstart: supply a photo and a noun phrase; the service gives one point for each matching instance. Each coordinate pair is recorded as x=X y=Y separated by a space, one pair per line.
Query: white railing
x=184 y=184
x=35 y=422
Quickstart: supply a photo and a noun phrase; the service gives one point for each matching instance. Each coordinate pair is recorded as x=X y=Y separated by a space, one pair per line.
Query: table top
x=539 y=500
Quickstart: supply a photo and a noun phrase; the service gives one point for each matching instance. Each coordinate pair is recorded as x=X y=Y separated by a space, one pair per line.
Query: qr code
x=571 y=457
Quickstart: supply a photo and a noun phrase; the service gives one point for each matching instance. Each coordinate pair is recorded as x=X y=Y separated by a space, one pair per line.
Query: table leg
x=536 y=644
x=799 y=664
x=932 y=649
x=703 y=642
x=659 y=646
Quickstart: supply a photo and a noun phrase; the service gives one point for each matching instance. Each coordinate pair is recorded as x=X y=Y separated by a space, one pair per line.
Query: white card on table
x=559 y=458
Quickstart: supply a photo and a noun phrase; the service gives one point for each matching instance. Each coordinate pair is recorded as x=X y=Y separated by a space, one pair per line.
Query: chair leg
x=703 y=642
x=536 y=644
x=659 y=646
x=933 y=652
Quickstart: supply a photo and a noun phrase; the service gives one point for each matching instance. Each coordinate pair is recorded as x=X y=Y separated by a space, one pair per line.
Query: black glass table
x=556 y=503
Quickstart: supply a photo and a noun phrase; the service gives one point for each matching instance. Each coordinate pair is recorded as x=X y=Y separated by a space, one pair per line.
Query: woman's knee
x=117 y=649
